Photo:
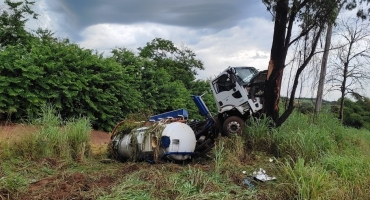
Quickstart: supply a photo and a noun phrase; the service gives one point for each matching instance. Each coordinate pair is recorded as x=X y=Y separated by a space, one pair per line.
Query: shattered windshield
x=245 y=74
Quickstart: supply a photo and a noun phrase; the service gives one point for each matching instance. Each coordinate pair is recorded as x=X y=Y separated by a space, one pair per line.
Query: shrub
x=77 y=81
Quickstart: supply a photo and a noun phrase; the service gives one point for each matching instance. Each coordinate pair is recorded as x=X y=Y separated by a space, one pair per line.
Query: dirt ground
x=99 y=137
x=13 y=131
x=61 y=186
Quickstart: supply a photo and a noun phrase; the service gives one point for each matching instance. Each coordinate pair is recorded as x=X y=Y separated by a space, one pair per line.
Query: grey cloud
x=215 y=14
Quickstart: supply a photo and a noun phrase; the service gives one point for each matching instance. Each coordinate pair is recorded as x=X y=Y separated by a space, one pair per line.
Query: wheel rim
x=233 y=127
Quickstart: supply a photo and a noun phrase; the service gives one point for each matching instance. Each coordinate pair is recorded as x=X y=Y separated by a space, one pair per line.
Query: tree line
x=37 y=68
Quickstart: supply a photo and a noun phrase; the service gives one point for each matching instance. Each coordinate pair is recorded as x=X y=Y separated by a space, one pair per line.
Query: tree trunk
x=277 y=62
x=345 y=76
x=320 y=89
x=343 y=90
x=290 y=109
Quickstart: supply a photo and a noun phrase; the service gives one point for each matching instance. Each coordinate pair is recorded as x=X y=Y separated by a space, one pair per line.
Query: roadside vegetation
x=312 y=158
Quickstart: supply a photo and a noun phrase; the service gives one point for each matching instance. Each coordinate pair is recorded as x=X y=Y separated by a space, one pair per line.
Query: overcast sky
x=222 y=33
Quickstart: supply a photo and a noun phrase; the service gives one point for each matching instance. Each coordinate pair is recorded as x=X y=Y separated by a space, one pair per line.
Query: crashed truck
x=238 y=93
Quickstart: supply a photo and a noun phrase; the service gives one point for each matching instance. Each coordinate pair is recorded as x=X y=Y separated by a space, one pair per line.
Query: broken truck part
x=166 y=136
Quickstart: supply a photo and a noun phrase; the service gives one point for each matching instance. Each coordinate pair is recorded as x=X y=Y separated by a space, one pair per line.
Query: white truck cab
x=238 y=92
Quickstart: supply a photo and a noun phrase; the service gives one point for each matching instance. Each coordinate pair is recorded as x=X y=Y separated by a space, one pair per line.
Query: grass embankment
x=313 y=160
x=320 y=159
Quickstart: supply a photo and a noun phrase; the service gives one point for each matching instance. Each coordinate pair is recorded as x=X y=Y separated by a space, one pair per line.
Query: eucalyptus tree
x=361 y=13
x=304 y=17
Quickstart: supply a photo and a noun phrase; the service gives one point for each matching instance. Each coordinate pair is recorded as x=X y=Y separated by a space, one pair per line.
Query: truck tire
x=233 y=125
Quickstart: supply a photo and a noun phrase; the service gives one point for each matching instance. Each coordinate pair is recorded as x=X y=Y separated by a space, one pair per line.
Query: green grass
x=314 y=158
x=187 y=182
x=307 y=181
x=319 y=158
x=69 y=142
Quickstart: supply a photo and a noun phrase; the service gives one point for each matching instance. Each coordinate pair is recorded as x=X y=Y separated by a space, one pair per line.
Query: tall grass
x=187 y=182
x=69 y=142
x=78 y=136
x=298 y=137
x=305 y=181
x=321 y=158
x=259 y=135
x=219 y=156
x=318 y=159
x=351 y=169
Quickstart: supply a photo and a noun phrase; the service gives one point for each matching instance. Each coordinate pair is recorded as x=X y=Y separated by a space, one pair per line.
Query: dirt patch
x=130 y=167
x=10 y=131
x=15 y=131
x=61 y=186
x=73 y=186
x=99 y=137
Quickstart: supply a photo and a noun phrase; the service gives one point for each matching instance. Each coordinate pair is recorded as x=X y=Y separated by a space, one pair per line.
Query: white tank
x=182 y=141
x=177 y=142
x=125 y=142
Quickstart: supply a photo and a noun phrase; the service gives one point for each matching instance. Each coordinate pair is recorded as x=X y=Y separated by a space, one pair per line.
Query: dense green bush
x=39 y=69
x=80 y=82
x=356 y=113
x=306 y=107
x=77 y=81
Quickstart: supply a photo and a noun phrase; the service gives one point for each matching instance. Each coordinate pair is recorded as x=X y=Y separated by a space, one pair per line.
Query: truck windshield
x=245 y=74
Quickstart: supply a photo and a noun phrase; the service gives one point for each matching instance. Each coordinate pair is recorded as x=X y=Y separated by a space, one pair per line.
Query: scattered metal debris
x=262 y=176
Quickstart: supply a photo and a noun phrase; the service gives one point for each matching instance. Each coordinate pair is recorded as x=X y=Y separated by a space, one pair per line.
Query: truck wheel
x=233 y=125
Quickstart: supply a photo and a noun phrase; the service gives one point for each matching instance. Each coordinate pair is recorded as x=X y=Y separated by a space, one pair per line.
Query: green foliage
x=12 y=183
x=306 y=108
x=40 y=69
x=165 y=76
x=12 y=22
x=76 y=81
x=78 y=136
x=180 y=63
x=321 y=158
x=356 y=113
x=258 y=134
x=200 y=87
x=339 y=173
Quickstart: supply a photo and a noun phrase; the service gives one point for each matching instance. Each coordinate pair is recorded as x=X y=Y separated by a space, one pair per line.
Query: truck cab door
x=228 y=92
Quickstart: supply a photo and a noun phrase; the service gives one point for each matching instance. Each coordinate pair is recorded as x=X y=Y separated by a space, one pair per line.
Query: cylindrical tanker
x=175 y=141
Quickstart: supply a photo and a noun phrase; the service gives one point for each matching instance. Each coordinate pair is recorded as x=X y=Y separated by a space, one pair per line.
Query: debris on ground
x=262 y=176
x=248 y=181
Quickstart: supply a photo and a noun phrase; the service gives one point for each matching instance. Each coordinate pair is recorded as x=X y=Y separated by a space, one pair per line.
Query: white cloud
x=244 y=45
